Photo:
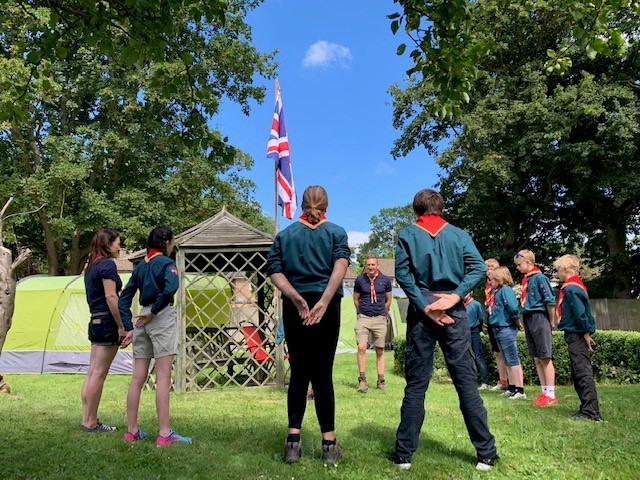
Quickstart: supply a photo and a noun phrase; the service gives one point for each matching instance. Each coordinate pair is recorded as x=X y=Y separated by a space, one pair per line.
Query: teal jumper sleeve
x=126 y=299
x=171 y=284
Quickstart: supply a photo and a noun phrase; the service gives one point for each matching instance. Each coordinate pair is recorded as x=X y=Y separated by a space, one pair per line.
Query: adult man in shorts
x=372 y=298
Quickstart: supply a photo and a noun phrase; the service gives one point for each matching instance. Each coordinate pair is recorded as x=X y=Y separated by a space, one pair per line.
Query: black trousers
x=582 y=374
x=455 y=342
x=311 y=353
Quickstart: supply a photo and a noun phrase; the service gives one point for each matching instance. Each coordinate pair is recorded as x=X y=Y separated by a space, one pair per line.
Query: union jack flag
x=278 y=150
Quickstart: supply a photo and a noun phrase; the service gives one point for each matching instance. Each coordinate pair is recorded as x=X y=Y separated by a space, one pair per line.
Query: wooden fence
x=610 y=314
x=615 y=314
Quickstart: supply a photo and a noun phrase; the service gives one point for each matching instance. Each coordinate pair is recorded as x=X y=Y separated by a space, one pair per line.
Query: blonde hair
x=503 y=276
x=569 y=262
x=314 y=203
x=491 y=262
x=525 y=255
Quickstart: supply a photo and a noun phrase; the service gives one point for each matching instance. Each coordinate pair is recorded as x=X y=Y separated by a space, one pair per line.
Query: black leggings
x=311 y=353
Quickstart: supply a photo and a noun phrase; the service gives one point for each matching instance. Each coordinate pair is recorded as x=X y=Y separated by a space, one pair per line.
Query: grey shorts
x=537 y=330
x=158 y=338
x=377 y=326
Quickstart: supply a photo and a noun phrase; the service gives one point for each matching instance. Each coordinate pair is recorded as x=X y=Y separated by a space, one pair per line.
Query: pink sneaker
x=134 y=437
x=173 y=437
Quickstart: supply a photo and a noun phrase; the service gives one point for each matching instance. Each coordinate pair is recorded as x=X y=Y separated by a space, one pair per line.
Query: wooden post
x=181 y=310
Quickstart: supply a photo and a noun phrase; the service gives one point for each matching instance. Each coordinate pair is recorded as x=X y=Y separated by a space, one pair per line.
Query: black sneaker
x=330 y=453
x=99 y=428
x=292 y=452
x=579 y=417
x=485 y=464
x=400 y=462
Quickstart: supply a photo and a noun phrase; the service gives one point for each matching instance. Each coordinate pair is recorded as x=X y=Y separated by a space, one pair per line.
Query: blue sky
x=336 y=62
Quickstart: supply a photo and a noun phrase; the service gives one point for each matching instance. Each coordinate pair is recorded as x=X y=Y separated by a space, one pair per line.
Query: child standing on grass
x=475 y=313
x=492 y=264
x=155 y=334
x=575 y=320
x=538 y=311
x=503 y=318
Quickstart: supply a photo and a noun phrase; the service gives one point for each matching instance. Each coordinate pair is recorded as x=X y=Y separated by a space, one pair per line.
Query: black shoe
x=400 y=462
x=292 y=452
x=485 y=464
x=99 y=428
x=579 y=417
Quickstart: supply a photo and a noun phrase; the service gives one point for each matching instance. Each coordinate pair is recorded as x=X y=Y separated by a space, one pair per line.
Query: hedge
x=616 y=358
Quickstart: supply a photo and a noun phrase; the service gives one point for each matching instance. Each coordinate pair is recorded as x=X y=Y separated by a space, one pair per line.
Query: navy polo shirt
x=381 y=285
x=94 y=288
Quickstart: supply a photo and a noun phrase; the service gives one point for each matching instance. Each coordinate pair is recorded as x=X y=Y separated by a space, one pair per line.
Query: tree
x=446 y=44
x=8 y=268
x=546 y=161
x=142 y=31
x=110 y=139
x=384 y=229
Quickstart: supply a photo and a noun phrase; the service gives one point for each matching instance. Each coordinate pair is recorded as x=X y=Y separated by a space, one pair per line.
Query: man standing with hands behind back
x=372 y=298
x=437 y=264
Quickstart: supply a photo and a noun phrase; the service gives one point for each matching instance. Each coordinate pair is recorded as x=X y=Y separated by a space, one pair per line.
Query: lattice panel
x=227 y=294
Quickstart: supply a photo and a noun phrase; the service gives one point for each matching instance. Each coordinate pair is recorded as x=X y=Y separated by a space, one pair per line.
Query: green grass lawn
x=239 y=434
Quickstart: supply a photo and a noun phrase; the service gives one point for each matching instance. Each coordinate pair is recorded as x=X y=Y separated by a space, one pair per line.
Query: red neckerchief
x=487 y=292
x=305 y=219
x=432 y=224
x=492 y=298
x=525 y=280
x=374 y=297
x=575 y=280
x=154 y=252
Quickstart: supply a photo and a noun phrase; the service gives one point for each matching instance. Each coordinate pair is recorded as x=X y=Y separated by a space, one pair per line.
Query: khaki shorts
x=377 y=326
x=158 y=338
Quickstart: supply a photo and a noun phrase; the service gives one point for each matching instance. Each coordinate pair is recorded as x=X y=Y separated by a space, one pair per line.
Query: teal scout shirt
x=306 y=255
x=447 y=262
x=539 y=294
x=576 y=312
x=504 y=312
x=157 y=280
x=475 y=312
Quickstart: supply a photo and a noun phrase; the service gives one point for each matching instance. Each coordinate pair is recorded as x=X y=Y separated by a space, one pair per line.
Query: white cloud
x=357 y=238
x=325 y=54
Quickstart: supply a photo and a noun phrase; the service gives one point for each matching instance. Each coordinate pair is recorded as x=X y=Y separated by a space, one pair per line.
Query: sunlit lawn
x=239 y=434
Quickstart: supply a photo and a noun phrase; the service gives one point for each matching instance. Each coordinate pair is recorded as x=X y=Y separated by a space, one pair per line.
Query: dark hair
x=100 y=244
x=428 y=201
x=314 y=203
x=159 y=238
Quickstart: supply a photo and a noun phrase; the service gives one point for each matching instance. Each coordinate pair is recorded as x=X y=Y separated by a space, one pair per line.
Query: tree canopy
x=384 y=230
x=538 y=159
x=108 y=123
x=445 y=44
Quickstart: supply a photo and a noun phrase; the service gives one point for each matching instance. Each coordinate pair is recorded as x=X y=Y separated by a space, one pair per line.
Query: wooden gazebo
x=226 y=311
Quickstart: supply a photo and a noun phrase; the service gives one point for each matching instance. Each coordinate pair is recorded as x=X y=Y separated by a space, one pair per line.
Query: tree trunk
x=511 y=236
x=7 y=288
x=620 y=268
x=50 y=244
x=7 y=293
x=77 y=256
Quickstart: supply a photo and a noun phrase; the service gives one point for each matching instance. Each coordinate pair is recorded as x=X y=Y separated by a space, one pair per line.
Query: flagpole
x=275 y=181
x=276 y=298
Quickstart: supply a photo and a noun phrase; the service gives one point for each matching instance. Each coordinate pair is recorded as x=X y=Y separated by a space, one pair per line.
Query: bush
x=616 y=358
